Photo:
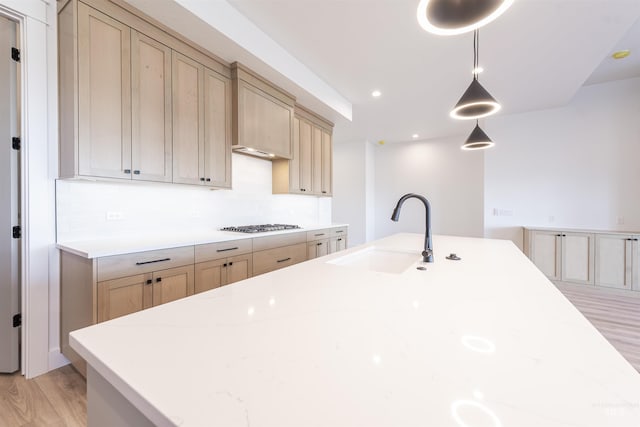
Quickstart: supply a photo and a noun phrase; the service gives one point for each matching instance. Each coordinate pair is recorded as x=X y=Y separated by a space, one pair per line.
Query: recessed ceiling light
x=621 y=54
x=376 y=93
x=415 y=135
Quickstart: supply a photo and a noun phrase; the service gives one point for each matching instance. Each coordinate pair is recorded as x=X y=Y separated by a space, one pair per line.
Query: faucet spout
x=427 y=253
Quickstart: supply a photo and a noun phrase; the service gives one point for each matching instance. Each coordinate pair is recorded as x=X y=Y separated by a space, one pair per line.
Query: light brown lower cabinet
x=127 y=295
x=337 y=244
x=220 y=272
x=276 y=258
x=317 y=248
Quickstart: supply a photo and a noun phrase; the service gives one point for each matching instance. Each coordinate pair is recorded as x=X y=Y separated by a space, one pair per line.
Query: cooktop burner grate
x=262 y=228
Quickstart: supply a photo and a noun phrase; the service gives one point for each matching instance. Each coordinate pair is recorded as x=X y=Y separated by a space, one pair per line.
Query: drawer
x=268 y=242
x=212 y=251
x=274 y=259
x=339 y=231
x=112 y=267
x=323 y=233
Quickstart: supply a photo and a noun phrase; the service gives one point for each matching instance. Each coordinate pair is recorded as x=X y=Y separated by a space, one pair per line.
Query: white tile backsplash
x=82 y=206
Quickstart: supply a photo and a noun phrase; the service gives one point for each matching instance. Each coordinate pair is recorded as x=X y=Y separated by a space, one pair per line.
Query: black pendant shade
x=475 y=103
x=478 y=140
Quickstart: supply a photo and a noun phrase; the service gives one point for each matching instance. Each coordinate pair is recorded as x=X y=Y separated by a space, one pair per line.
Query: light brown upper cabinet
x=138 y=103
x=310 y=168
x=98 y=141
x=151 y=142
x=201 y=124
x=263 y=116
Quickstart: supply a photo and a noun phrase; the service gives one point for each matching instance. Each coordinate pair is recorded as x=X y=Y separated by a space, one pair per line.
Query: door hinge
x=17 y=320
x=17 y=232
x=15 y=142
x=15 y=54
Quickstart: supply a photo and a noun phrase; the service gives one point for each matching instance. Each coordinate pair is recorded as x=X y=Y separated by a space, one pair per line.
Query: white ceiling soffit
x=619 y=69
x=536 y=56
x=220 y=28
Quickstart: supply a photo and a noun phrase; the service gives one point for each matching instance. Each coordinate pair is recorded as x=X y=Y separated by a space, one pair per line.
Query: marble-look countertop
x=485 y=341
x=140 y=243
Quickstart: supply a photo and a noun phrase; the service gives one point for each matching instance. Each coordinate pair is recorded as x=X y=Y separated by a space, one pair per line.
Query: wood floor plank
x=23 y=404
x=614 y=313
x=66 y=390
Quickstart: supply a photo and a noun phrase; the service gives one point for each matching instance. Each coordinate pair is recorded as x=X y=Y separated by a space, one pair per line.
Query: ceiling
x=332 y=54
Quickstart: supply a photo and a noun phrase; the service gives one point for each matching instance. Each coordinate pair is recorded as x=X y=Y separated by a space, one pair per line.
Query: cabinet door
x=333 y=244
x=305 y=169
x=239 y=268
x=316 y=158
x=172 y=284
x=126 y=295
x=216 y=150
x=104 y=100
x=210 y=275
x=317 y=248
x=327 y=159
x=578 y=258
x=150 y=109
x=614 y=260
x=546 y=254
x=187 y=77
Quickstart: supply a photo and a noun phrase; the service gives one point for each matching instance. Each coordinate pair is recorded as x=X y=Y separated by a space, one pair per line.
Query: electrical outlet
x=115 y=216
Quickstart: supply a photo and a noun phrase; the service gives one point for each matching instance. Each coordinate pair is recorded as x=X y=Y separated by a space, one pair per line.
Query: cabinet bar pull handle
x=159 y=279
x=127 y=171
x=318 y=244
x=340 y=240
x=136 y=172
x=227 y=249
x=151 y=262
x=558 y=235
x=283 y=260
x=149 y=281
x=317 y=235
x=339 y=231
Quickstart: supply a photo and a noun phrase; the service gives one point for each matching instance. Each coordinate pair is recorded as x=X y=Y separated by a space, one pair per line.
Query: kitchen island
x=364 y=338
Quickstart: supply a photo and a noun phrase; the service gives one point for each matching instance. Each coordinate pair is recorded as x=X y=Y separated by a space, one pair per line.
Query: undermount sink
x=379 y=259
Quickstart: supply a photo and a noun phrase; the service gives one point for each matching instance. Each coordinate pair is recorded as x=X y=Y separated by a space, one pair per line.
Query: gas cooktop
x=262 y=228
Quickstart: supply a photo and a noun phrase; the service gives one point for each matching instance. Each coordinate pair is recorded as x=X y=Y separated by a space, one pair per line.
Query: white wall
x=82 y=206
x=575 y=166
x=353 y=189
x=451 y=179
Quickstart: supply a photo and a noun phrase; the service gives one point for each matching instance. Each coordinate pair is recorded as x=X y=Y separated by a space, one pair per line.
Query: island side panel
x=106 y=407
x=78 y=301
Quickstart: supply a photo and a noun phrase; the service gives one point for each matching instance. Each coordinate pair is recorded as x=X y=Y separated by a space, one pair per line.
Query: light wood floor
x=56 y=399
x=616 y=314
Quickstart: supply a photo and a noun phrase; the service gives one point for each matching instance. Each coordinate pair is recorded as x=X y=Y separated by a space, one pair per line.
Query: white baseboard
x=56 y=359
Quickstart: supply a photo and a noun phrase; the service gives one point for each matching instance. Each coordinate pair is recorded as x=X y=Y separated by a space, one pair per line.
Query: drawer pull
x=340 y=240
x=318 y=235
x=151 y=262
x=227 y=249
x=339 y=231
x=149 y=281
x=318 y=244
x=159 y=279
x=283 y=260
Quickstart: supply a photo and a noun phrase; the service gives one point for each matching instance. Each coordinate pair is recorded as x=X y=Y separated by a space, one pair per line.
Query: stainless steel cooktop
x=260 y=228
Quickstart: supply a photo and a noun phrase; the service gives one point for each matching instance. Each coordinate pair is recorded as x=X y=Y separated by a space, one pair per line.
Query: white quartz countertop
x=129 y=244
x=485 y=341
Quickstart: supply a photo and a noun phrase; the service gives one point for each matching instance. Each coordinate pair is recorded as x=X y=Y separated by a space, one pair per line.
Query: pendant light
x=475 y=102
x=451 y=17
x=478 y=140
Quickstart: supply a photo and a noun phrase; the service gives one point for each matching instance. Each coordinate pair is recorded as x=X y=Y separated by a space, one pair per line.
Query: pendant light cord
x=476 y=54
